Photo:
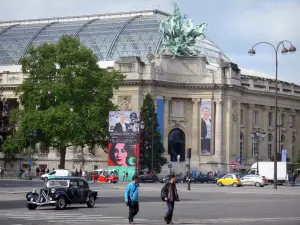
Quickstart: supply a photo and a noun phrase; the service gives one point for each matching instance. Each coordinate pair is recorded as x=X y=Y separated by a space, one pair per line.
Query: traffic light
x=189 y=152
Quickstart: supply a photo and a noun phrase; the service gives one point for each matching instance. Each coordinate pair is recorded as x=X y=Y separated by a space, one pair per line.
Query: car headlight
x=52 y=190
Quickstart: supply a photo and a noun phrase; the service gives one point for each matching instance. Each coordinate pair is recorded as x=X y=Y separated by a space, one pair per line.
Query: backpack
x=164 y=192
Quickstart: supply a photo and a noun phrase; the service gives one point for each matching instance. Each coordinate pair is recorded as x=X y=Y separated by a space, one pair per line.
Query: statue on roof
x=178 y=38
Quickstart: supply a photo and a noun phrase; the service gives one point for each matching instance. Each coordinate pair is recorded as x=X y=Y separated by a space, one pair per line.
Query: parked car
x=201 y=178
x=229 y=179
x=254 y=180
x=61 y=192
x=148 y=178
x=56 y=173
x=179 y=178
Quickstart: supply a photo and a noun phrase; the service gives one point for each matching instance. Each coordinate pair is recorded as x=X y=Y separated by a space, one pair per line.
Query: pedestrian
x=170 y=195
x=1 y=172
x=94 y=177
x=131 y=197
x=76 y=173
x=124 y=174
x=294 y=179
x=287 y=180
x=37 y=171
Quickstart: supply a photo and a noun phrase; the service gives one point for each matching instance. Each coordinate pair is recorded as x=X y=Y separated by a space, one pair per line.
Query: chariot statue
x=180 y=39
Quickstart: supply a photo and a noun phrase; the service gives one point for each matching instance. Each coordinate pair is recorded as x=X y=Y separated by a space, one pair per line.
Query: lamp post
x=139 y=126
x=257 y=136
x=284 y=50
x=30 y=135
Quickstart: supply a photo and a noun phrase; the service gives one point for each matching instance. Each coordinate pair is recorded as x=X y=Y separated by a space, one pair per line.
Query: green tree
x=149 y=117
x=66 y=98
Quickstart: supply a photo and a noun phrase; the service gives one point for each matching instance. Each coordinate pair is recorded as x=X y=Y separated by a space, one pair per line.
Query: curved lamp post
x=257 y=136
x=139 y=126
x=284 y=51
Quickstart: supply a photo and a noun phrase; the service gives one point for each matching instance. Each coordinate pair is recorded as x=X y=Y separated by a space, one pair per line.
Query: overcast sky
x=234 y=25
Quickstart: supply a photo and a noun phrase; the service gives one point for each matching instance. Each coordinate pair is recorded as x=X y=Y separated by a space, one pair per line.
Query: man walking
x=171 y=195
x=132 y=198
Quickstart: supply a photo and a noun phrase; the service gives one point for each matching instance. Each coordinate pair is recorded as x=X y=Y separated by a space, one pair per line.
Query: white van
x=56 y=173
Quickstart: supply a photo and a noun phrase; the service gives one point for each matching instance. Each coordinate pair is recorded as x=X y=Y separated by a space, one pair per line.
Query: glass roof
x=109 y=37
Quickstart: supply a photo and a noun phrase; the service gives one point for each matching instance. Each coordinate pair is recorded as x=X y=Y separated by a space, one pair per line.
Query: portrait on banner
x=121 y=122
x=206 y=127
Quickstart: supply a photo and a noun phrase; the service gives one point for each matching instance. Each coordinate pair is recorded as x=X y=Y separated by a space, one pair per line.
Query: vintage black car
x=61 y=192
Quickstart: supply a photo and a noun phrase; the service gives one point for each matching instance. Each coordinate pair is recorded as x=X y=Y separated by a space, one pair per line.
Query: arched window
x=270 y=140
x=241 y=147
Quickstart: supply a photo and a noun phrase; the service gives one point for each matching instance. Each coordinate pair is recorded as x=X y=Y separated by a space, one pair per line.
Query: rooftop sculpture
x=180 y=39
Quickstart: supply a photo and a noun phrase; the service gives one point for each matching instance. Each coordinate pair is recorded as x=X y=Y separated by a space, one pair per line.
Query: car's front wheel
x=31 y=206
x=234 y=184
x=46 y=179
x=91 y=201
x=257 y=184
x=61 y=203
x=109 y=181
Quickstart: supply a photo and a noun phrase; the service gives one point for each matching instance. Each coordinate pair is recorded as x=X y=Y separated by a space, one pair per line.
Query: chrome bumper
x=42 y=203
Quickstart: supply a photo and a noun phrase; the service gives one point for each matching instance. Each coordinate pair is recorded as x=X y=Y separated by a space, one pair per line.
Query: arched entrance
x=176 y=144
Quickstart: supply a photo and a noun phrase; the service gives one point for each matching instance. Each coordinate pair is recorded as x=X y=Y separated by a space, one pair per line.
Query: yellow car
x=229 y=179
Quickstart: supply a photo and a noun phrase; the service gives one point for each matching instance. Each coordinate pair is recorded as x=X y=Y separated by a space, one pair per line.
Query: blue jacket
x=132 y=190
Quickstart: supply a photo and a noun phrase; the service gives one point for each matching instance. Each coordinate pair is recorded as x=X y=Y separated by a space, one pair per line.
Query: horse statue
x=198 y=31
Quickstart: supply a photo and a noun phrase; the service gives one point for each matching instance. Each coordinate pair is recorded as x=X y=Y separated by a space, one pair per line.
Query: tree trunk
x=62 y=161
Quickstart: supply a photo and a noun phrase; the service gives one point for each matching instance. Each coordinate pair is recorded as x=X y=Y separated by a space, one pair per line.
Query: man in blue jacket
x=132 y=198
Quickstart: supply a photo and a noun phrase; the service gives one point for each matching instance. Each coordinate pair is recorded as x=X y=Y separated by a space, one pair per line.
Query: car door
x=228 y=179
x=83 y=190
x=245 y=180
x=74 y=191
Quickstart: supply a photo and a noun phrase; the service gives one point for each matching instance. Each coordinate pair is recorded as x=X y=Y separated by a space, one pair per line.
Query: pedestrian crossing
x=62 y=217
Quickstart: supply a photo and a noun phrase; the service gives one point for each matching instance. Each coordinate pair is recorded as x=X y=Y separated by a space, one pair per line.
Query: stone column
x=290 y=134
x=263 y=145
x=218 y=127
x=166 y=124
x=279 y=131
x=248 y=137
x=195 y=127
x=235 y=134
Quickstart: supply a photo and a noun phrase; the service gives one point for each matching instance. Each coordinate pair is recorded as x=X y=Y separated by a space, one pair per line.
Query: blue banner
x=160 y=115
x=283 y=155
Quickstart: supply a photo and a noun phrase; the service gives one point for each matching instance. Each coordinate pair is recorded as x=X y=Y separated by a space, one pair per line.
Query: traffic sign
x=30 y=161
x=170 y=166
x=232 y=165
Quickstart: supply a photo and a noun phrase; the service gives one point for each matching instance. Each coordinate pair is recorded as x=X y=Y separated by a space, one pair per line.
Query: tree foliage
x=66 y=98
x=150 y=120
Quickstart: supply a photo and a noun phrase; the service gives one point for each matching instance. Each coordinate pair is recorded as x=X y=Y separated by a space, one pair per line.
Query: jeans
x=169 y=214
x=133 y=210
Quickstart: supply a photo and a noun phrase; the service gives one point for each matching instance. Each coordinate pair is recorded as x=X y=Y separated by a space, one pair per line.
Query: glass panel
x=136 y=38
x=14 y=41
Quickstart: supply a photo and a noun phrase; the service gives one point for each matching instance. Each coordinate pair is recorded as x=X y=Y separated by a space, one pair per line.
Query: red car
x=107 y=176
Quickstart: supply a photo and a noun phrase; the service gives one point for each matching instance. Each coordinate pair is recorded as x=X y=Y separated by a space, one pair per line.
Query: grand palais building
x=240 y=100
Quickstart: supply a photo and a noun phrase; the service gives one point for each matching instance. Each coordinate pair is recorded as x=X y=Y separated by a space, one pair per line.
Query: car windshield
x=58 y=183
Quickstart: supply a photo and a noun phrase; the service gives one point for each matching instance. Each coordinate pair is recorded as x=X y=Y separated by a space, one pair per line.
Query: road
x=204 y=204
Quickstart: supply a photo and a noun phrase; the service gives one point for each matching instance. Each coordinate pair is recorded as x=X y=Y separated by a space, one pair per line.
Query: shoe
x=171 y=222
x=167 y=222
x=131 y=223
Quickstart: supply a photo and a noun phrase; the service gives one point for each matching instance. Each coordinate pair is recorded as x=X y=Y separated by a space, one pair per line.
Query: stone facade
x=240 y=104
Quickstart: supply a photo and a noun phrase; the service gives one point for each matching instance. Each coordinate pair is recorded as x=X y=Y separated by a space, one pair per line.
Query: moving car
x=60 y=192
x=107 y=176
x=254 y=180
x=229 y=179
x=148 y=178
x=179 y=179
x=56 y=173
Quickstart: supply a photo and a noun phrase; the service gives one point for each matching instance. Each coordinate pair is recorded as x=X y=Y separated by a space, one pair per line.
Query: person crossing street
x=170 y=196
x=132 y=198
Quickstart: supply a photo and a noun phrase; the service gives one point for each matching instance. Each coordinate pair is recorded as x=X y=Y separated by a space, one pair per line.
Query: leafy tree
x=82 y=156
x=150 y=120
x=66 y=98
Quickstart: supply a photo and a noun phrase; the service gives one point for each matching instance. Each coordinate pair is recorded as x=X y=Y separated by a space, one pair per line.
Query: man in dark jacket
x=171 y=195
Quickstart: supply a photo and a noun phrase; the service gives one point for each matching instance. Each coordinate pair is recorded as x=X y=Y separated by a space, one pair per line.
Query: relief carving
x=267 y=108
x=235 y=111
x=218 y=101
x=252 y=106
x=124 y=102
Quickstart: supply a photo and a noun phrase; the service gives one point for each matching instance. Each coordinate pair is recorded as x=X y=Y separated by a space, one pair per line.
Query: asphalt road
x=204 y=204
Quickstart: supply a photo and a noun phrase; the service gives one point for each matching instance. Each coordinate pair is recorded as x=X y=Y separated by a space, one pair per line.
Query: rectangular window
x=256 y=117
x=269 y=150
x=177 y=108
x=254 y=148
x=242 y=116
x=294 y=122
x=270 y=117
x=282 y=118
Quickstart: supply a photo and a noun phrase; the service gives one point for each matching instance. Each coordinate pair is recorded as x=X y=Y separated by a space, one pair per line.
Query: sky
x=234 y=25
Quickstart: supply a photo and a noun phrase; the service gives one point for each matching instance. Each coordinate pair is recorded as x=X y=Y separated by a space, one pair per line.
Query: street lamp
x=139 y=126
x=31 y=135
x=257 y=136
x=284 y=50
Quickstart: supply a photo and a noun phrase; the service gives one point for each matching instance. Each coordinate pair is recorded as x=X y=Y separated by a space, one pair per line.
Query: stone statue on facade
x=180 y=39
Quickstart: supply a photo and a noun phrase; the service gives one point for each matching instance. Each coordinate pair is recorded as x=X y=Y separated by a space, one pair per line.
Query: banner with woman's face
x=122 y=154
